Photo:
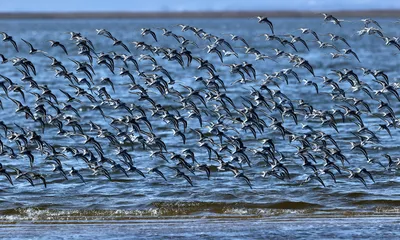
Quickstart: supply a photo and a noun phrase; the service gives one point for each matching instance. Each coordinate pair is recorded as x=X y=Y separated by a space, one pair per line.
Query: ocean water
x=173 y=208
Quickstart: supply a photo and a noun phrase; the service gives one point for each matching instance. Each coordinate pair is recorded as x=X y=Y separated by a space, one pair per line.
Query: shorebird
x=157 y=171
x=298 y=39
x=370 y=31
x=244 y=177
x=368 y=21
x=267 y=21
x=315 y=176
x=8 y=38
x=169 y=33
x=98 y=169
x=205 y=168
x=4 y=172
x=33 y=50
x=132 y=168
x=75 y=172
x=23 y=175
x=146 y=31
x=104 y=32
x=236 y=38
x=180 y=174
x=390 y=41
x=349 y=51
x=330 y=18
x=58 y=44
x=336 y=37
x=391 y=164
x=307 y=31
x=356 y=175
x=3 y=59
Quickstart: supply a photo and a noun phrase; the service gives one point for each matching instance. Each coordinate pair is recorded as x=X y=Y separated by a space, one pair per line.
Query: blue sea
x=126 y=206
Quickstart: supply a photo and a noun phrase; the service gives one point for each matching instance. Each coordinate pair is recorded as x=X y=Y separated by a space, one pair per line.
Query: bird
x=120 y=43
x=389 y=41
x=74 y=172
x=146 y=31
x=336 y=37
x=24 y=175
x=368 y=21
x=267 y=21
x=349 y=51
x=315 y=176
x=329 y=172
x=298 y=39
x=356 y=175
x=4 y=172
x=3 y=59
x=307 y=31
x=34 y=176
x=58 y=167
x=104 y=32
x=244 y=177
x=181 y=174
x=205 y=168
x=58 y=44
x=236 y=38
x=330 y=18
x=98 y=169
x=134 y=169
x=157 y=171
x=33 y=50
x=8 y=38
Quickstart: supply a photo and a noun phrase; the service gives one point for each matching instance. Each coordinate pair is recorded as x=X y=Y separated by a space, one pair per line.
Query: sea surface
x=224 y=206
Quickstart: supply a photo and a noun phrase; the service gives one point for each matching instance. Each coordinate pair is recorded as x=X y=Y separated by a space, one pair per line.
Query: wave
x=163 y=210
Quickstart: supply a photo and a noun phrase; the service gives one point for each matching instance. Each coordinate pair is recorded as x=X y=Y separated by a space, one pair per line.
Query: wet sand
x=206 y=228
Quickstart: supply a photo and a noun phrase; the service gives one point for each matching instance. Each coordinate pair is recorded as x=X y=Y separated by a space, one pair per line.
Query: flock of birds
x=181 y=111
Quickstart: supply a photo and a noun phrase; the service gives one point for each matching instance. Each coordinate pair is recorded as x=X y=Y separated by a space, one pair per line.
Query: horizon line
x=382 y=13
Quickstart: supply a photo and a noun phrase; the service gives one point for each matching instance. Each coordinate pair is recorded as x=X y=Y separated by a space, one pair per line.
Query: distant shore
x=211 y=14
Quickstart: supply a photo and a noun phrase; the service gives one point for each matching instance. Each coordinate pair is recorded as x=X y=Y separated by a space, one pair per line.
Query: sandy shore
x=224 y=228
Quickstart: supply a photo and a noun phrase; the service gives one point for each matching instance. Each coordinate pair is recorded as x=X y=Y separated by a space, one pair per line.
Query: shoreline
x=285 y=228
x=202 y=14
x=185 y=218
